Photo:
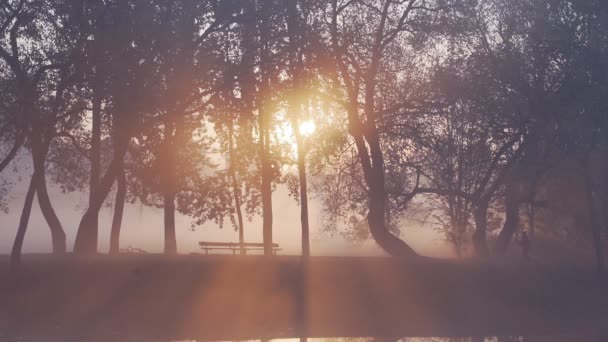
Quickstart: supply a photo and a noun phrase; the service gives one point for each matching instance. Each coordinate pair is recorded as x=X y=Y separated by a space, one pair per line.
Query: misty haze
x=349 y=170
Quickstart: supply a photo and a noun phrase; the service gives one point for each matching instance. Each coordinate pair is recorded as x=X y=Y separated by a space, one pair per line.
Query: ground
x=151 y=297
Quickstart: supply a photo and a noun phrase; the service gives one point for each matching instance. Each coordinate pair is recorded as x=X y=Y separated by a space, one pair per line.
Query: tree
x=129 y=76
x=368 y=39
x=296 y=62
x=45 y=73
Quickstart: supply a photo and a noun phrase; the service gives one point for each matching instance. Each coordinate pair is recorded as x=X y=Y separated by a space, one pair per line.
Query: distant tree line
x=469 y=110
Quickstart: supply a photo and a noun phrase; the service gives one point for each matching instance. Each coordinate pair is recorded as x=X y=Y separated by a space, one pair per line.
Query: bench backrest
x=204 y=244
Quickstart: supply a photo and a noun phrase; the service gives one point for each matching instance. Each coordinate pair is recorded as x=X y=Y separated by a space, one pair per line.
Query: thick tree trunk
x=375 y=218
x=593 y=222
x=25 y=217
x=480 y=243
x=169 y=211
x=372 y=163
x=511 y=220
x=119 y=204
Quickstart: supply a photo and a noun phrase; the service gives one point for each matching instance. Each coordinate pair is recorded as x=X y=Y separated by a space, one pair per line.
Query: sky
x=142 y=226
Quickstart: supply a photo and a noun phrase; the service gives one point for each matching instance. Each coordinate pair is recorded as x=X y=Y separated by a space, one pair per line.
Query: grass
x=151 y=297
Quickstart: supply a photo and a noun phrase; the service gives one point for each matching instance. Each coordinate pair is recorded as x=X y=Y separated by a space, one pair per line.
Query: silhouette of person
x=525 y=245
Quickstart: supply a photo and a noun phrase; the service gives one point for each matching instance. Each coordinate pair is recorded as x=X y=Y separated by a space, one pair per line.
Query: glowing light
x=307 y=128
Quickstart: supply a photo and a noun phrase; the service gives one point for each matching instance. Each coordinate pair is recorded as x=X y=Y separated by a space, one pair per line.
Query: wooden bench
x=235 y=246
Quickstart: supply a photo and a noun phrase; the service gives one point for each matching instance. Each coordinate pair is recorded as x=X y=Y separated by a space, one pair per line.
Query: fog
x=143 y=226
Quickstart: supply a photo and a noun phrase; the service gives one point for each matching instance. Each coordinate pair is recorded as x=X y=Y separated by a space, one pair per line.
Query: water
x=578 y=338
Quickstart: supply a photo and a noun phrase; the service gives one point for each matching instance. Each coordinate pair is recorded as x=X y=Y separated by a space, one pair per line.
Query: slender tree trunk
x=25 y=217
x=95 y=155
x=296 y=109
x=119 y=204
x=266 y=190
x=239 y=216
x=480 y=243
x=58 y=238
x=235 y=188
x=168 y=180
x=264 y=127
x=593 y=221
x=57 y=234
x=247 y=78
x=301 y=149
x=511 y=220
x=169 y=209
x=303 y=200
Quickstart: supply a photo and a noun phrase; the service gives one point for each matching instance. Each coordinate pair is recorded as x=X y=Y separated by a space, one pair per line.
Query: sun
x=307 y=128
x=285 y=133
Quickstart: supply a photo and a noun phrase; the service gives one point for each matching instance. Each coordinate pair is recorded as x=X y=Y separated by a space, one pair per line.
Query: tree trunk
x=366 y=137
x=25 y=217
x=375 y=218
x=480 y=243
x=119 y=204
x=264 y=31
x=511 y=220
x=57 y=234
x=86 y=238
x=266 y=190
x=169 y=210
x=303 y=199
x=593 y=221
x=295 y=62
x=373 y=171
x=168 y=183
x=235 y=188
x=239 y=215
x=372 y=163
x=95 y=156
